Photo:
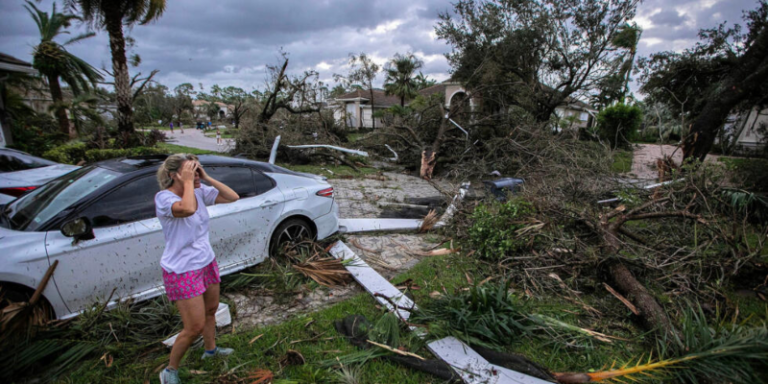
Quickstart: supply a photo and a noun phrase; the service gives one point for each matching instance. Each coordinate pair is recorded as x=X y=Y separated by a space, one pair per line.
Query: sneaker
x=169 y=377
x=218 y=352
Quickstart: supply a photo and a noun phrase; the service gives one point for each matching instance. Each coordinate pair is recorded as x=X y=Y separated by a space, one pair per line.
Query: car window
x=16 y=161
x=263 y=183
x=35 y=208
x=240 y=179
x=130 y=202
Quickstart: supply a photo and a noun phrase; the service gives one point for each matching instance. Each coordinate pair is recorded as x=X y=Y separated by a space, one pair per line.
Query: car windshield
x=19 y=161
x=34 y=209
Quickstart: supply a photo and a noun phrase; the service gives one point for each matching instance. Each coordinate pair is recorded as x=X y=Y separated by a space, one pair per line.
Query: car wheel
x=291 y=231
x=11 y=294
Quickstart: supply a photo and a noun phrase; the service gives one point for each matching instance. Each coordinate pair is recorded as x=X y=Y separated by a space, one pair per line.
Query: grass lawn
x=442 y=274
x=622 y=161
x=173 y=148
x=225 y=133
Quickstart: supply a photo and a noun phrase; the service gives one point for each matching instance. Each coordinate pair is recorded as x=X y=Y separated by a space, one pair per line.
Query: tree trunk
x=114 y=26
x=270 y=106
x=402 y=101
x=61 y=113
x=429 y=155
x=749 y=75
x=651 y=313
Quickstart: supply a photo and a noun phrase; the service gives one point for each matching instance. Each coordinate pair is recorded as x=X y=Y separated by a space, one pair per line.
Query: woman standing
x=190 y=272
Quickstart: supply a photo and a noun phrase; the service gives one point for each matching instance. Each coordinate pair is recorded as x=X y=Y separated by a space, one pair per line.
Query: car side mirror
x=78 y=229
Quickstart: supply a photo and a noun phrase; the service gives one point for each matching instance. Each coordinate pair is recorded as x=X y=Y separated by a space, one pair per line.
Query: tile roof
x=381 y=99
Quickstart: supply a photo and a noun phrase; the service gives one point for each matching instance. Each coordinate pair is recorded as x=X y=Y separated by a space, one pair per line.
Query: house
x=10 y=65
x=749 y=129
x=576 y=114
x=201 y=110
x=355 y=110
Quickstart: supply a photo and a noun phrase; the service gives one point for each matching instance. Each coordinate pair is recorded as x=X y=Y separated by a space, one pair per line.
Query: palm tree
x=54 y=62
x=112 y=15
x=400 y=79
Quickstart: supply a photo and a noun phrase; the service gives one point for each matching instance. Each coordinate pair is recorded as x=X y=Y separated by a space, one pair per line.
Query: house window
x=583 y=116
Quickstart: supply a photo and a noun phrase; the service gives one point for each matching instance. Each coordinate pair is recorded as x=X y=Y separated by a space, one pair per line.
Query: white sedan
x=99 y=223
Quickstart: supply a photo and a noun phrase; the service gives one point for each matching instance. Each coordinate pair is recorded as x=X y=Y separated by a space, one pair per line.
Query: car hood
x=34 y=177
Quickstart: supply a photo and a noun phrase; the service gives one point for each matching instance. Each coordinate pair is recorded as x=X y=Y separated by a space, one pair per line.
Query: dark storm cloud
x=229 y=42
x=668 y=18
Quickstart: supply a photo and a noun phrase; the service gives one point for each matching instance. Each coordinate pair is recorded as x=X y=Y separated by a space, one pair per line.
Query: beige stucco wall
x=367 y=121
x=565 y=112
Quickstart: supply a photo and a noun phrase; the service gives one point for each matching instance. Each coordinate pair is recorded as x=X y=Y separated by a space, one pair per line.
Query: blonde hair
x=172 y=165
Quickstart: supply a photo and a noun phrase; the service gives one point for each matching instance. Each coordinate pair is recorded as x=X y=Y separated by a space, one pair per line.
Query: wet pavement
x=196 y=139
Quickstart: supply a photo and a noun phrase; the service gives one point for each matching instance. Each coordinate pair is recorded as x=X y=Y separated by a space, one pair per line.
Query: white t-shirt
x=187 y=243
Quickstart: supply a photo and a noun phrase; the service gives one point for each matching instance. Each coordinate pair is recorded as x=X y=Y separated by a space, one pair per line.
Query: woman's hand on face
x=187 y=172
x=203 y=174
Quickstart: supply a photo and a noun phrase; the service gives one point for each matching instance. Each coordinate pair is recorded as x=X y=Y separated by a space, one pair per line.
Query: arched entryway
x=460 y=105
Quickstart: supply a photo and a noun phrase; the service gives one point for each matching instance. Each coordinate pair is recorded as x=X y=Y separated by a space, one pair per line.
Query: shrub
x=70 y=153
x=94 y=155
x=155 y=136
x=36 y=133
x=494 y=232
x=618 y=124
x=749 y=173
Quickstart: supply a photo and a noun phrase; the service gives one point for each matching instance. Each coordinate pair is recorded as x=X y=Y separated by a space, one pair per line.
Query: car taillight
x=328 y=192
x=16 y=191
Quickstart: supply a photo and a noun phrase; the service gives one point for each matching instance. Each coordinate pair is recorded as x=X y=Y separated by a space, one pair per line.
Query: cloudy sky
x=229 y=42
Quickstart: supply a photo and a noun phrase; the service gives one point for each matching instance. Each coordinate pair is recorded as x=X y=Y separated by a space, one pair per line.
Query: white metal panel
x=374 y=225
x=372 y=281
x=475 y=369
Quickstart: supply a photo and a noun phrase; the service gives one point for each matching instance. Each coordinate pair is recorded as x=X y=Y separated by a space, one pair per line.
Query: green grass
x=225 y=133
x=173 y=148
x=264 y=353
x=442 y=274
x=622 y=161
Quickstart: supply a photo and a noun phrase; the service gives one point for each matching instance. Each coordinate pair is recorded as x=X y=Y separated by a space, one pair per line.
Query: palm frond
x=721 y=353
x=79 y=37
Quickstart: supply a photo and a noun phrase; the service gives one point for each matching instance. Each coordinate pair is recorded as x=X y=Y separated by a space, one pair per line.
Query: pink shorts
x=182 y=286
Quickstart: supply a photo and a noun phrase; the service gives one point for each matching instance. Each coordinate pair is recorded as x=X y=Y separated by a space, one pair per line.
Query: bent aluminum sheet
x=372 y=281
x=467 y=363
x=374 y=225
x=347 y=150
x=473 y=368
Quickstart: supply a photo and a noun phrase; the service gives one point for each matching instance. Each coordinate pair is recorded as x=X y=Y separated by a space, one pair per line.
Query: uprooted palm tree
x=112 y=15
x=400 y=80
x=54 y=62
